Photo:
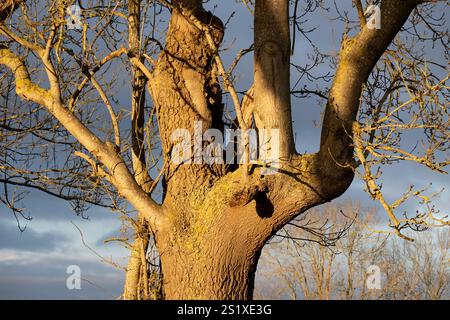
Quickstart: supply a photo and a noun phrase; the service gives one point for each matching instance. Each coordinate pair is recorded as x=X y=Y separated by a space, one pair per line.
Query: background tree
x=210 y=222
x=300 y=269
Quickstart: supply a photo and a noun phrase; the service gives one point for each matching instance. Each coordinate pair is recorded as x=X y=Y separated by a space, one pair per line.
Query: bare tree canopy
x=407 y=270
x=212 y=172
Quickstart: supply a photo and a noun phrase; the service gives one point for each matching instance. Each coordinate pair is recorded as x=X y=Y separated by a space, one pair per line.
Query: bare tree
x=423 y=272
x=308 y=270
x=212 y=219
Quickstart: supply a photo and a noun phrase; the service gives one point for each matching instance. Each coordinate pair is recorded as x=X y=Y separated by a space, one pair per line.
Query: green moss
x=208 y=205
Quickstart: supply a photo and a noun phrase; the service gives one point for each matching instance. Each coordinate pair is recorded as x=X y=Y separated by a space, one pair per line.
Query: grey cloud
x=29 y=240
x=46 y=279
x=43 y=207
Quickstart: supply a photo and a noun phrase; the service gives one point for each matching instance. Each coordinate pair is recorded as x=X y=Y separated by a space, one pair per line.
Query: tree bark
x=213 y=266
x=272 y=100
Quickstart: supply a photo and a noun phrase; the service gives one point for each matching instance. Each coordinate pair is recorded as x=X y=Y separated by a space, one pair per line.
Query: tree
x=212 y=219
x=307 y=270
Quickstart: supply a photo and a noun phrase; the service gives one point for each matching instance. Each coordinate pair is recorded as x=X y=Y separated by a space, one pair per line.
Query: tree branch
x=105 y=152
x=359 y=56
x=272 y=71
x=362 y=17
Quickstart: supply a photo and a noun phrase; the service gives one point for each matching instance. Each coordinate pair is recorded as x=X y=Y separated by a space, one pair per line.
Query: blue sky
x=33 y=264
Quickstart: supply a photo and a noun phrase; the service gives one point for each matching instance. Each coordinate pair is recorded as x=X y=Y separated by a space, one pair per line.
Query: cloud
x=61 y=210
x=28 y=275
x=33 y=264
x=12 y=238
x=43 y=207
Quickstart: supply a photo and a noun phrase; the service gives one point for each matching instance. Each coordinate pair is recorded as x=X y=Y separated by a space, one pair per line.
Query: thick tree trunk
x=216 y=257
x=217 y=223
x=220 y=270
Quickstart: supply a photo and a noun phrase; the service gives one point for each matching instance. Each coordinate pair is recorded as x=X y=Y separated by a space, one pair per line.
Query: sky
x=33 y=263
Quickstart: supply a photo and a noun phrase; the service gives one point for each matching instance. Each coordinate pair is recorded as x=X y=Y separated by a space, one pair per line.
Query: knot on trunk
x=248 y=193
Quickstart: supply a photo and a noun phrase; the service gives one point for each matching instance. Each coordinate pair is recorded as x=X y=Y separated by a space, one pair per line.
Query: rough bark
x=210 y=263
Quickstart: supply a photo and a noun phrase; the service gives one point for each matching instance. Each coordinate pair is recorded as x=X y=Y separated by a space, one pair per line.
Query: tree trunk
x=219 y=270
x=216 y=257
